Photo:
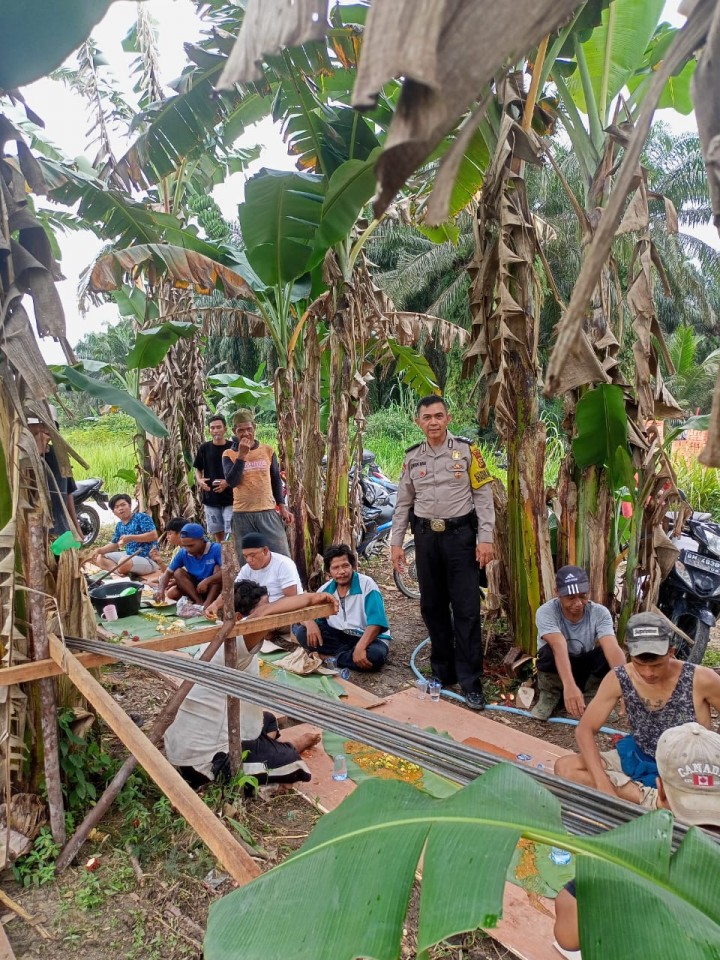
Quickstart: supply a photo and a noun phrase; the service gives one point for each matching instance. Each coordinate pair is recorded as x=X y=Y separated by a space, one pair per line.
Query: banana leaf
x=615 y=49
x=152 y=343
x=114 y=396
x=279 y=221
x=345 y=893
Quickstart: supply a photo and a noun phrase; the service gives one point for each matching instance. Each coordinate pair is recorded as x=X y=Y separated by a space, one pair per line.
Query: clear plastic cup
x=435 y=689
x=422 y=688
x=559 y=856
x=109 y=612
x=339 y=767
x=330 y=663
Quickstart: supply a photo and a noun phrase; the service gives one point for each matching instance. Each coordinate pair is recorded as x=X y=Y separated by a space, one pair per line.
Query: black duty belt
x=438 y=525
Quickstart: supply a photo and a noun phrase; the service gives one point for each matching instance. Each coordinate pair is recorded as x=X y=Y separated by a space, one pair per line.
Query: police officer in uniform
x=446 y=496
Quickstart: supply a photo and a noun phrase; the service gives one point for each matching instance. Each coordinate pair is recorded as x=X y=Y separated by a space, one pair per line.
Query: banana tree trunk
x=287 y=401
x=528 y=533
x=505 y=329
x=337 y=521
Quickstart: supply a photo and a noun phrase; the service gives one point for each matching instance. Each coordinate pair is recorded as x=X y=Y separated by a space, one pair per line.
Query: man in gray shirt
x=576 y=645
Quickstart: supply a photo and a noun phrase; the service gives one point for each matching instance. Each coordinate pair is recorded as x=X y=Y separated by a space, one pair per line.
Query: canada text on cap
x=688 y=760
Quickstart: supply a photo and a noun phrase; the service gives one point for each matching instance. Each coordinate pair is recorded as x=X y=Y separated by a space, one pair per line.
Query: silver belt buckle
x=437 y=526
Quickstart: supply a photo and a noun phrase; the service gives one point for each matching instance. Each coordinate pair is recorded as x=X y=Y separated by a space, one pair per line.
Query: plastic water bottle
x=339 y=767
x=559 y=856
x=344 y=675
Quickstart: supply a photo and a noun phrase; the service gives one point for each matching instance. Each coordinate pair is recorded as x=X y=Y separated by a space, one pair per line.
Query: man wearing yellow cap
x=252 y=470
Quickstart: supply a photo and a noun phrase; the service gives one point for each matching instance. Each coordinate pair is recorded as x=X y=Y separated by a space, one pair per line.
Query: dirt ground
x=109 y=914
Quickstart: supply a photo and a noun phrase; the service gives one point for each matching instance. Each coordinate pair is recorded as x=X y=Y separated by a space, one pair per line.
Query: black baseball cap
x=570 y=581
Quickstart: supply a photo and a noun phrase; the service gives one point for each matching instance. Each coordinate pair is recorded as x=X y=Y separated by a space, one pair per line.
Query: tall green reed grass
x=701 y=485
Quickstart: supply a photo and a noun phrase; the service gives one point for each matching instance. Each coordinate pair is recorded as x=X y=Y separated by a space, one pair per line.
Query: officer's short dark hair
x=247 y=595
x=429 y=402
x=217 y=416
x=339 y=550
x=117 y=498
x=175 y=525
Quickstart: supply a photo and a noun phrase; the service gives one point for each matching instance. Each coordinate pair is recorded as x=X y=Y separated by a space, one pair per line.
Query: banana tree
x=148 y=351
x=590 y=75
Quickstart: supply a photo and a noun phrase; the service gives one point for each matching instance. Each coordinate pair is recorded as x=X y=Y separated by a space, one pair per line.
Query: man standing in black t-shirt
x=216 y=495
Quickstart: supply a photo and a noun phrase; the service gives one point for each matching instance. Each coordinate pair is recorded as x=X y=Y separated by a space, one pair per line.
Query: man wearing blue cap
x=196 y=567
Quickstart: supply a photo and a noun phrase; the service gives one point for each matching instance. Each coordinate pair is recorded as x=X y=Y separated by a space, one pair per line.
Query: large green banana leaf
x=36 y=36
x=112 y=215
x=601 y=424
x=280 y=219
x=615 y=50
x=345 y=893
x=350 y=187
x=152 y=344
x=114 y=396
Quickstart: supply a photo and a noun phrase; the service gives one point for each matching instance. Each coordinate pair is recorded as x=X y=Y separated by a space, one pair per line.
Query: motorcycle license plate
x=702 y=563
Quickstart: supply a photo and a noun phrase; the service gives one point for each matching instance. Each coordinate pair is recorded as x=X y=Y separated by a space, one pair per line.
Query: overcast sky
x=66 y=121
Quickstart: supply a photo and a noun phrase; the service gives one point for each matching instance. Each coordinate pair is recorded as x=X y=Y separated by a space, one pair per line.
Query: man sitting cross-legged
x=576 y=646
x=272 y=570
x=688 y=784
x=197 y=740
x=196 y=568
x=357 y=635
x=659 y=692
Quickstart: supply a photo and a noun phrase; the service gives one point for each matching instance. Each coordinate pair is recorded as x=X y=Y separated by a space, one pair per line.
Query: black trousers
x=592 y=664
x=449 y=580
x=338 y=644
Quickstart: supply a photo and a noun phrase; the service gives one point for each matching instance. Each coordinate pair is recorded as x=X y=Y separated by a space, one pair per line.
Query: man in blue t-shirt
x=576 y=645
x=135 y=538
x=196 y=567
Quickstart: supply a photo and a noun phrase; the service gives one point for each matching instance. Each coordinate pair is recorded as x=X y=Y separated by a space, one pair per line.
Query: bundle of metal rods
x=585 y=812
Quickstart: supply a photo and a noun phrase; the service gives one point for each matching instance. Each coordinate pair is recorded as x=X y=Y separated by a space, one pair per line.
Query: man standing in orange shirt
x=251 y=468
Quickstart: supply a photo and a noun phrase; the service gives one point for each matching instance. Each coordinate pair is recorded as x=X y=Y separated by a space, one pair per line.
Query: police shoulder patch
x=464 y=440
x=413 y=447
x=478 y=471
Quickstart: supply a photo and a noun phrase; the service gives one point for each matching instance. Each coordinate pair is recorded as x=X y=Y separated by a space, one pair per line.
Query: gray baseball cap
x=648 y=633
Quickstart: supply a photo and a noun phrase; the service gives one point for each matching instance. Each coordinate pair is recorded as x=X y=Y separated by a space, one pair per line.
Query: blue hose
x=492 y=706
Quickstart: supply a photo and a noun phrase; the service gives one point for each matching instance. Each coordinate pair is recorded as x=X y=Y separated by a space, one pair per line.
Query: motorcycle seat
x=85 y=486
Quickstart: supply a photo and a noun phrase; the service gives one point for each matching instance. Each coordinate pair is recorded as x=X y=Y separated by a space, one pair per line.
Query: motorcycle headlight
x=712 y=540
x=682 y=571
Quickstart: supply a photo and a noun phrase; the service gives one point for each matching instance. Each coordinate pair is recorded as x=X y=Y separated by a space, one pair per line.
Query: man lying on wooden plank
x=197 y=740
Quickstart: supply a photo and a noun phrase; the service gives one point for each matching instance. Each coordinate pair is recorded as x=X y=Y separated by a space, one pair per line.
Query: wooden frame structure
x=230 y=854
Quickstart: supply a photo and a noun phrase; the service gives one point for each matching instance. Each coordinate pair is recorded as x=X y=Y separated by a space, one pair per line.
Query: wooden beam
x=240 y=865
x=25 y=672
x=162 y=722
x=229 y=572
x=6 y=951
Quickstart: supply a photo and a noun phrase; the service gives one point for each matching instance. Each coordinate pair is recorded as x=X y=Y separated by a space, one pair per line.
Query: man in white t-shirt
x=274 y=571
x=576 y=645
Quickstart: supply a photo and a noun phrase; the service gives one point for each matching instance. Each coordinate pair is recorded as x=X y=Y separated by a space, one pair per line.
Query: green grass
x=106 y=446
x=701 y=485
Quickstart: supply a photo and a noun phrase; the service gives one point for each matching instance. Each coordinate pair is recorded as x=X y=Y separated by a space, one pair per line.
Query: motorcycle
x=378 y=506
x=690 y=595
x=88 y=519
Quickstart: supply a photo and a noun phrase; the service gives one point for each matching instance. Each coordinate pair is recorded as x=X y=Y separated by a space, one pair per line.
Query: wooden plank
x=25 y=672
x=6 y=951
x=224 y=846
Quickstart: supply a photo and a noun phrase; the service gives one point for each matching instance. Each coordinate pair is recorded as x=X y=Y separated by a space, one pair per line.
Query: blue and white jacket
x=361 y=607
